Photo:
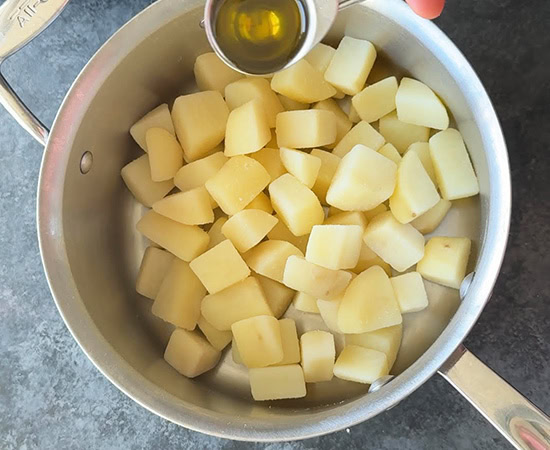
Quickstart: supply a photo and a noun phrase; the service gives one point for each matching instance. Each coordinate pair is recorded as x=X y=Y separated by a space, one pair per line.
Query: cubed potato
x=137 y=176
x=343 y=124
x=329 y=164
x=190 y=354
x=269 y=258
x=314 y=280
x=329 y=313
x=247 y=129
x=235 y=352
x=191 y=207
x=280 y=232
x=320 y=56
x=348 y=218
x=157 y=118
x=289 y=339
x=318 y=353
x=390 y=152
x=302 y=165
x=296 y=205
x=291 y=105
x=303 y=83
x=259 y=341
x=367 y=258
x=278 y=382
x=362 y=133
x=179 y=298
x=212 y=74
x=410 y=292
x=453 y=169
x=369 y=303
x=372 y=213
x=431 y=219
x=417 y=104
x=351 y=64
x=385 y=340
x=200 y=120
x=445 y=260
x=185 y=241
x=376 y=100
x=215 y=232
x=305 y=303
x=364 y=179
x=400 y=245
x=278 y=296
x=247 y=89
x=248 y=227
x=401 y=134
x=237 y=183
x=361 y=365
x=422 y=150
x=218 y=339
x=154 y=267
x=262 y=203
x=165 y=154
x=306 y=129
x=414 y=192
x=335 y=246
x=197 y=173
x=353 y=115
x=238 y=302
x=220 y=267
x=270 y=158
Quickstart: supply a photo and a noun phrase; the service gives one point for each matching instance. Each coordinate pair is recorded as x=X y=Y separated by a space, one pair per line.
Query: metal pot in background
x=91 y=252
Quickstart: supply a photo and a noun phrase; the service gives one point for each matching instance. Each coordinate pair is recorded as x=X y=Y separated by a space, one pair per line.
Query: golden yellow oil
x=260 y=36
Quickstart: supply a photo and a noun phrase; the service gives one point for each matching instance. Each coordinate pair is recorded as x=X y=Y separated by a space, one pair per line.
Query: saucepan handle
x=524 y=425
x=20 y=22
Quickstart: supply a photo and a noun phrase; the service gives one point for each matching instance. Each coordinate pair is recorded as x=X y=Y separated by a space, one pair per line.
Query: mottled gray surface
x=52 y=397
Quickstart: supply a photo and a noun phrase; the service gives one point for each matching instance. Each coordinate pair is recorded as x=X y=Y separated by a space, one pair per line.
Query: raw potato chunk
x=329 y=313
x=215 y=232
x=269 y=258
x=296 y=205
x=154 y=267
x=191 y=207
x=335 y=246
x=190 y=354
x=220 y=267
x=417 y=104
x=376 y=100
x=454 y=172
x=157 y=118
x=179 y=298
x=303 y=166
x=200 y=120
x=248 y=227
x=422 y=150
x=280 y=232
x=218 y=339
x=137 y=176
x=238 y=302
x=197 y=173
x=259 y=341
x=431 y=219
x=247 y=129
x=270 y=158
x=364 y=179
x=361 y=365
x=314 y=280
x=292 y=105
x=445 y=260
x=305 y=303
x=348 y=218
x=362 y=133
x=303 y=83
x=165 y=154
x=369 y=303
x=400 y=245
x=329 y=164
x=278 y=296
x=351 y=64
x=237 y=183
x=306 y=129
x=279 y=382
x=414 y=192
x=390 y=152
x=262 y=203
x=401 y=134
x=320 y=57
x=212 y=74
x=185 y=241
x=385 y=340
x=372 y=213
x=367 y=258
x=343 y=124
x=410 y=292
x=318 y=353
x=243 y=91
x=289 y=339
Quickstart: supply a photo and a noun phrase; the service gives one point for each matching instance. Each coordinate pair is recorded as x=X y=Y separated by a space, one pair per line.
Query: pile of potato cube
x=279 y=196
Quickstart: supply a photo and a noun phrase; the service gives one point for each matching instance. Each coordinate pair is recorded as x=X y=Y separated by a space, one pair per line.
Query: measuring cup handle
x=516 y=418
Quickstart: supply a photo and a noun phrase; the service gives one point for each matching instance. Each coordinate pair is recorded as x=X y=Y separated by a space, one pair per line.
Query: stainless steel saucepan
x=91 y=253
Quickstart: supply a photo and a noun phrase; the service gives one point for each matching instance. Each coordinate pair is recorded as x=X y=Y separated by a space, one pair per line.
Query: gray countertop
x=51 y=396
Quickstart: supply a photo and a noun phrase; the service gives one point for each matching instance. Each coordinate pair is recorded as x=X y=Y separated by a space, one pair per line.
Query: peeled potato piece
x=362 y=133
x=278 y=382
x=153 y=269
x=269 y=258
x=305 y=303
x=278 y=296
x=247 y=129
x=292 y=105
x=192 y=207
x=212 y=74
x=372 y=213
x=259 y=341
x=197 y=173
x=376 y=100
x=280 y=232
x=248 y=227
x=343 y=124
x=165 y=154
x=367 y=258
x=385 y=340
x=306 y=129
x=270 y=159
x=218 y=339
x=390 y=152
x=261 y=202
x=318 y=354
x=289 y=339
x=410 y=292
x=215 y=232
x=348 y=218
x=361 y=365
x=431 y=219
x=320 y=56
x=329 y=313
x=401 y=134
x=329 y=164
x=303 y=166
x=335 y=246
x=422 y=150
x=157 y=118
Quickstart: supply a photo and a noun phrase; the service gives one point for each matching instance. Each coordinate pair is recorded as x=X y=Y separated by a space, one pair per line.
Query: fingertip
x=429 y=9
